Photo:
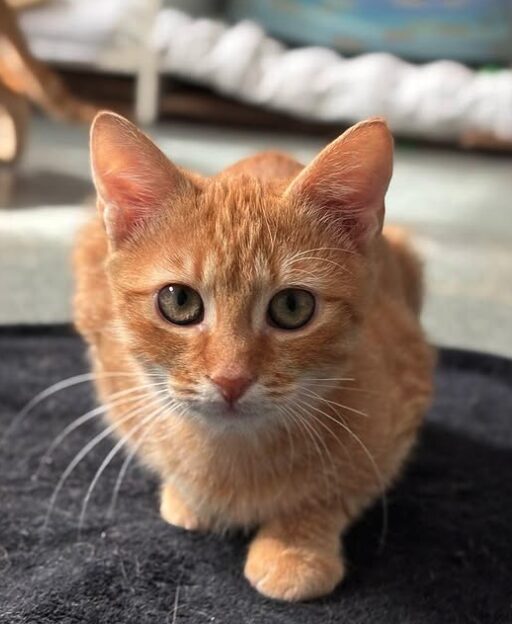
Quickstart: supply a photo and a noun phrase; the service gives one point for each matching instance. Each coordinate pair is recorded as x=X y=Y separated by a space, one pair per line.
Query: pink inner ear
x=347 y=182
x=132 y=176
x=134 y=189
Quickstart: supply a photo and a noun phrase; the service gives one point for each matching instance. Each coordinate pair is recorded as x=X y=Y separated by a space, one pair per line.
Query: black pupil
x=291 y=302
x=180 y=304
x=291 y=308
x=181 y=297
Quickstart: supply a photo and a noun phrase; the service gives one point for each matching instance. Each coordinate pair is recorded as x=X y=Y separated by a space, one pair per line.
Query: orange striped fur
x=332 y=410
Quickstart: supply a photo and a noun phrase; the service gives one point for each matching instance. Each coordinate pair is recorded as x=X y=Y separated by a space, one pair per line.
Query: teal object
x=474 y=31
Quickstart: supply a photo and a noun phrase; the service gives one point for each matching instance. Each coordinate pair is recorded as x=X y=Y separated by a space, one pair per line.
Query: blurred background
x=213 y=81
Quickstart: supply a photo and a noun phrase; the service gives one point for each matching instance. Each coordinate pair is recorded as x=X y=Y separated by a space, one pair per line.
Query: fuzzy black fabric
x=447 y=556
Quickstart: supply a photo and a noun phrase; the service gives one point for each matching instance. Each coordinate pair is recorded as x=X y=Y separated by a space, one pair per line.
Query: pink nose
x=232 y=388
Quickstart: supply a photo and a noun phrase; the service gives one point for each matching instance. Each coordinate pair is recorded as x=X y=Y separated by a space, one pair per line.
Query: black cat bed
x=447 y=555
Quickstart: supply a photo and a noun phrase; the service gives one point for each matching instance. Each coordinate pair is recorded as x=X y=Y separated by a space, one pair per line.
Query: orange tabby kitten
x=269 y=333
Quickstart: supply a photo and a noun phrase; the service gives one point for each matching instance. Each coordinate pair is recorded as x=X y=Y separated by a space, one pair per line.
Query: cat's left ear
x=347 y=182
x=133 y=178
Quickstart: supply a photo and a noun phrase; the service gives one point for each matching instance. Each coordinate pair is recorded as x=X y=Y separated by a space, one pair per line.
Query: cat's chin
x=222 y=414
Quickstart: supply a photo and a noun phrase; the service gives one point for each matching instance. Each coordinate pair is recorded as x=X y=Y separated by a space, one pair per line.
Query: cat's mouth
x=222 y=410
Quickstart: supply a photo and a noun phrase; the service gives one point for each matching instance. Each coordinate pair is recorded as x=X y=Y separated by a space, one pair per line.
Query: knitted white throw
x=441 y=100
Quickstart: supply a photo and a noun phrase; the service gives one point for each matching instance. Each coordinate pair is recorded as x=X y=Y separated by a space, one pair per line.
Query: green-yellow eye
x=180 y=304
x=291 y=308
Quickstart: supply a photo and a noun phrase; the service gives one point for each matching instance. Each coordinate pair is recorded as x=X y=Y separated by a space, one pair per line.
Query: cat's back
x=270 y=165
x=401 y=271
x=393 y=337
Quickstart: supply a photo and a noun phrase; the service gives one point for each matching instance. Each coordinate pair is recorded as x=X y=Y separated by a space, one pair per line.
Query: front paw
x=292 y=573
x=175 y=511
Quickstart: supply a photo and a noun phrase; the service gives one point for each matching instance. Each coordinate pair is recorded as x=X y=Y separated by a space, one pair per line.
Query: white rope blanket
x=441 y=100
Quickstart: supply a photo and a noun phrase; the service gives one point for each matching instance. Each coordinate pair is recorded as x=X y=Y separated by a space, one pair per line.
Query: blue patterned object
x=468 y=30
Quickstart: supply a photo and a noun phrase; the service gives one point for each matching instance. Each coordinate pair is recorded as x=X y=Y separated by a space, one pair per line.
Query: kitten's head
x=240 y=292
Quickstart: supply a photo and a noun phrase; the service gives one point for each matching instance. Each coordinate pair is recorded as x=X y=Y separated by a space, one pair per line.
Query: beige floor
x=458 y=205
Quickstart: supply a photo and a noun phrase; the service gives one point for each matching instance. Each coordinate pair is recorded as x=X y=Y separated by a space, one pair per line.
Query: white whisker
x=312 y=433
x=289 y=433
x=63 y=384
x=373 y=463
x=91 y=414
x=77 y=459
x=319 y=258
x=327 y=379
x=315 y=395
x=299 y=255
x=110 y=456
x=122 y=473
x=307 y=416
x=123 y=470
x=307 y=409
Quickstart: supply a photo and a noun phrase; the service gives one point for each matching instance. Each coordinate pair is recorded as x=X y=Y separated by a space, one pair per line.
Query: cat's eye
x=291 y=308
x=180 y=304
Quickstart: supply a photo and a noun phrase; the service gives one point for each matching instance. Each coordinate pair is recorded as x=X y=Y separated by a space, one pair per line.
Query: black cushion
x=446 y=558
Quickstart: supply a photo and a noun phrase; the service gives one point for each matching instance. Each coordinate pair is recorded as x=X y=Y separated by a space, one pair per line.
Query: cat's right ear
x=133 y=178
x=346 y=183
